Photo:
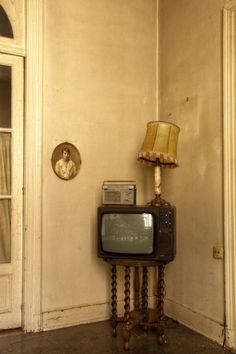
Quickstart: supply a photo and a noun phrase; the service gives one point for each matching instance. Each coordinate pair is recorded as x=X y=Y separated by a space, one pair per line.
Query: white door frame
x=32 y=312
x=229 y=126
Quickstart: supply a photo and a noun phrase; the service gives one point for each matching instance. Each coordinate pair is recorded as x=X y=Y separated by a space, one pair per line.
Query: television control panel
x=167 y=218
x=166 y=238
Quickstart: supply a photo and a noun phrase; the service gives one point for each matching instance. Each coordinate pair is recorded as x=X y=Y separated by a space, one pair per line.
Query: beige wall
x=99 y=92
x=191 y=96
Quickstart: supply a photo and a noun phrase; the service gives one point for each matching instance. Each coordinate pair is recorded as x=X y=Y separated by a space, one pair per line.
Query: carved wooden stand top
x=141 y=314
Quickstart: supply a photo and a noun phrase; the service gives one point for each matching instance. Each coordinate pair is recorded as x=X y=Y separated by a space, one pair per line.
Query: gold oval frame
x=69 y=170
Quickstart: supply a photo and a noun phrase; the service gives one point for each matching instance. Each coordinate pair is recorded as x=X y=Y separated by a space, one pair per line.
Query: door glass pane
x=5 y=163
x=5 y=231
x=5 y=24
x=5 y=96
x=5 y=204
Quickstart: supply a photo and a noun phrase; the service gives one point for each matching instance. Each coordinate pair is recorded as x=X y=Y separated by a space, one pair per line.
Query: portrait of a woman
x=66 y=161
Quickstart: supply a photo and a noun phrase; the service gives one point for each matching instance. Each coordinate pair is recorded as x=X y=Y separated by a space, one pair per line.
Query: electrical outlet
x=218 y=252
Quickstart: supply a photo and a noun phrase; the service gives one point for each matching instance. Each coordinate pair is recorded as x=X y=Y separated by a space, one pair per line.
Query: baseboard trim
x=85 y=313
x=75 y=316
x=196 y=321
x=230 y=339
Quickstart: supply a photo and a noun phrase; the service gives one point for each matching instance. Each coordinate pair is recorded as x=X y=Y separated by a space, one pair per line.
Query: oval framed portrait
x=66 y=161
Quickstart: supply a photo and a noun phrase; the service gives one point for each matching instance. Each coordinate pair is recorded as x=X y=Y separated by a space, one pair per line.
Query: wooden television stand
x=140 y=315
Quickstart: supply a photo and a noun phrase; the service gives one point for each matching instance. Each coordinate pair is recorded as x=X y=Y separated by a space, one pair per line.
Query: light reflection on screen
x=128 y=233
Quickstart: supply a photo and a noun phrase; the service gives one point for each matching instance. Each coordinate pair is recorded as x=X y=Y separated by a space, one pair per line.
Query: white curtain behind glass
x=5 y=204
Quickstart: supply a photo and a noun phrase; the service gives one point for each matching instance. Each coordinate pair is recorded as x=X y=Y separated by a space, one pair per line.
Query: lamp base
x=158 y=201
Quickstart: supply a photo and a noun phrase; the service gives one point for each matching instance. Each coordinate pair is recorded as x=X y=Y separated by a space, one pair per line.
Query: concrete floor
x=96 y=338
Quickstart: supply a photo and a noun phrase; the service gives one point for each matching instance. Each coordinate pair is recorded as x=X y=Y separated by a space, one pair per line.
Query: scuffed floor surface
x=96 y=338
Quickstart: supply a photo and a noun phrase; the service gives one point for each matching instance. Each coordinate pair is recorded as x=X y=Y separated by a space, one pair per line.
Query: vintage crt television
x=137 y=232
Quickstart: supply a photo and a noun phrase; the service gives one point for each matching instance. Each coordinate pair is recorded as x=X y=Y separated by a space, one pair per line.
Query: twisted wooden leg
x=145 y=295
x=136 y=288
x=145 y=289
x=160 y=304
x=126 y=326
x=114 y=299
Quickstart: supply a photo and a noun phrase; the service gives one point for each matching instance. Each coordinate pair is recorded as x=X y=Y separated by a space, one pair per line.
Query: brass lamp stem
x=158 y=200
x=157 y=180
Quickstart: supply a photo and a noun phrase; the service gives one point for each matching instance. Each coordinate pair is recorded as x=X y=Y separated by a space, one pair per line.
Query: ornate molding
x=15 y=11
x=32 y=312
x=229 y=71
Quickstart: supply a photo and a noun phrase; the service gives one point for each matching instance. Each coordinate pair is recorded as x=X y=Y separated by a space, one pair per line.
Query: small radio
x=119 y=193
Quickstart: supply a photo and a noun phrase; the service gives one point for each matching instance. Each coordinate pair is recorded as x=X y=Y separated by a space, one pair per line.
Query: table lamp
x=159 y=149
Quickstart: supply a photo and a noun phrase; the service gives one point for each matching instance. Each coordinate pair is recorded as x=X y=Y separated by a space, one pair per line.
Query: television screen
x=128 y=233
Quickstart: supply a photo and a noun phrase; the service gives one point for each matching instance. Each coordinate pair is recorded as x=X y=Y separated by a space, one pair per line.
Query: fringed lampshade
x=159 y=149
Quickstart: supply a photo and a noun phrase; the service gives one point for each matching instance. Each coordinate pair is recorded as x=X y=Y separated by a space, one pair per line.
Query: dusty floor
x=96 y=338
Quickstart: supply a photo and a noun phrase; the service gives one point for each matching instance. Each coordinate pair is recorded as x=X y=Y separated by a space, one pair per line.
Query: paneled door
x=11 y=189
